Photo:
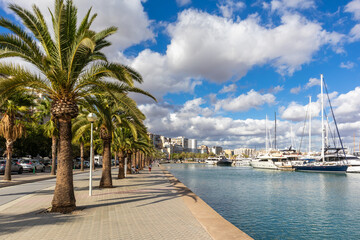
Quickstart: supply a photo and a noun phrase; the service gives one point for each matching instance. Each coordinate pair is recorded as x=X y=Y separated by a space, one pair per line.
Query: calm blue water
x=268 y=204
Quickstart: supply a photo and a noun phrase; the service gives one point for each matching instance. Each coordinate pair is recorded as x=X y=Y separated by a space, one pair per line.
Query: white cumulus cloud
x=347 y=65
x=228 y=7
x=219 y=49
x=129 y=16
x=354 y=8
x=283 y=5
x=244 y=102
x=229 y=88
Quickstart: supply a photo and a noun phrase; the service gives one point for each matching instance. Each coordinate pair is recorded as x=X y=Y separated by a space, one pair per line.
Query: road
x=11 y=193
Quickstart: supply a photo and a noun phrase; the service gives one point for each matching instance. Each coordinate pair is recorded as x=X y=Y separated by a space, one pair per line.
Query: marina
x=269 y=204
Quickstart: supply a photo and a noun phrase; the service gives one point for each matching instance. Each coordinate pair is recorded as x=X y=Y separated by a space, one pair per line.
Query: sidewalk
x=17 y=179
x=142 y=206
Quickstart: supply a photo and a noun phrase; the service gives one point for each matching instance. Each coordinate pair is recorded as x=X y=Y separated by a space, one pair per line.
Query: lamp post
x=91 y=117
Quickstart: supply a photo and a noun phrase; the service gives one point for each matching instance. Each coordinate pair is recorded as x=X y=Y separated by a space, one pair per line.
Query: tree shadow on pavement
x=11 y=223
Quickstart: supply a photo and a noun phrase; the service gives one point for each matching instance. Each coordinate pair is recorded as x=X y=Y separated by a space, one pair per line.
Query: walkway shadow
x=17 y=222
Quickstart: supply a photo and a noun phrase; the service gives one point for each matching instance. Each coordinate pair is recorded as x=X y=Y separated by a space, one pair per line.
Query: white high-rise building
x=193 y=145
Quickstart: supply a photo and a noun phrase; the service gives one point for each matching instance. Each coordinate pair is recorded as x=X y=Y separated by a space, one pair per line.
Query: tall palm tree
x=11 y=126
x=71 y=66
x=50 y=129
x=112 y=113
x=81 y=133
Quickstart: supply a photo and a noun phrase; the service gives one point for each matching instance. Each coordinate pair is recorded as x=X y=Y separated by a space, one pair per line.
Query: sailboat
x=322 y=165
x=269 y=160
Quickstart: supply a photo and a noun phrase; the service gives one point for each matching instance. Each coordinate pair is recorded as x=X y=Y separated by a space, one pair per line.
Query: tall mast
x=291 y=137
x=266 y=136
x=322 y=120
x=309 y=125
x=275 y=132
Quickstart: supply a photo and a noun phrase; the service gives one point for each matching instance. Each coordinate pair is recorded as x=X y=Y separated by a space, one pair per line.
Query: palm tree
x=11 y=126
x=111 y=114
x=71 y=66
x=81 y=133
x=43 y=111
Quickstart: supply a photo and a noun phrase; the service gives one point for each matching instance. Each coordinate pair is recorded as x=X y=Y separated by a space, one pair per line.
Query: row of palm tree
x=74 y=74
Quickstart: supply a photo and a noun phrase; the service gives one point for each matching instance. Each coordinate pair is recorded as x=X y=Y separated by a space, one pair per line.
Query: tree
x=11 y=126
x=71 y=65
x=50 y=128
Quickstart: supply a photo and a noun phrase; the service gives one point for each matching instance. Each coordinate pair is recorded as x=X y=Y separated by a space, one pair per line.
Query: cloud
x=195 y=120
x=219 y=49
x=133 y=23
x=228 y=7
x=313 y=82
x=296 y=112
x=347 y=65
x=347 y=108
x=244 y=102
x=276 y=89
x=284 y=5
x=354 y=33
x=217 y=130
x=354 y=8
x=229 y=88
x=182 y=3
x=295 y=90
x=158 y=77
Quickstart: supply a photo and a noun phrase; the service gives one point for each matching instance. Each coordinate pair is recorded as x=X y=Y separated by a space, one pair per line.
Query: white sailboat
x=322 y=165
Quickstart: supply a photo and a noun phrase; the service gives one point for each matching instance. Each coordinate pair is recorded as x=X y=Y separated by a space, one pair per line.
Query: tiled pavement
x=142 y=206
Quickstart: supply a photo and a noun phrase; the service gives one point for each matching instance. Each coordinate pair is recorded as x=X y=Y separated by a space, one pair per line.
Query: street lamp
x=91 y=117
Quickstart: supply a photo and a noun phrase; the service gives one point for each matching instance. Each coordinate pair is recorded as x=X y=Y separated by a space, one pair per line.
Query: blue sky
x=218 y=67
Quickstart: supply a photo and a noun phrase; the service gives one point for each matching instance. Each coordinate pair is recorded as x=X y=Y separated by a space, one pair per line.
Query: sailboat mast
x=309 y=125
x=322 y=120
x=266 y=136
x=275 y=132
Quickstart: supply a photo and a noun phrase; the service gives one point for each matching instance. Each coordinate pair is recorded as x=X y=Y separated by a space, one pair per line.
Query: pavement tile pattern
x=142 y=206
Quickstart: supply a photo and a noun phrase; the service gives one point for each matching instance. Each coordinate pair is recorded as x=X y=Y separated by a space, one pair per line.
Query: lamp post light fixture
x=91 y=117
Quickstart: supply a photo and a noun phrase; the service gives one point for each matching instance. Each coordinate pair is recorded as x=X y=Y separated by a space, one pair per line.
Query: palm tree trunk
x=141 y=161
x=82 y=156
x=64 y=197
x=7 y=174
x=129 y=157
x=115 y=158
x=106 y=180
x=121 y=174
x=53 y=155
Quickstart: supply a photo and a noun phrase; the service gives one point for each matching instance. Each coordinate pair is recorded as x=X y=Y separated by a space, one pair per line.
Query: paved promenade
x=142 y=206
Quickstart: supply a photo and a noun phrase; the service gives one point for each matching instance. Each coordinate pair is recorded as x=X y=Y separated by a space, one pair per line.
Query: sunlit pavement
x=142 y=206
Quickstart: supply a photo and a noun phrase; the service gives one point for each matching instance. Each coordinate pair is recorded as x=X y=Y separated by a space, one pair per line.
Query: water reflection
x=270 y=204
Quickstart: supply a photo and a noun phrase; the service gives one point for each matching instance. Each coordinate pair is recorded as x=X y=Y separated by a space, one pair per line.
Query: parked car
x=15 y=167
x=31 y=164
x=38 y=165
x=77 y=164
x=86 y=164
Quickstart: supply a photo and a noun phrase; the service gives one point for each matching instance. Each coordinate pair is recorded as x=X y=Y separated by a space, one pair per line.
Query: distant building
x=156 y=140
x=182 y=141
x=245 y=152
x=203 y=149
x=193 y=145
x=216 y=150
x=229 y=152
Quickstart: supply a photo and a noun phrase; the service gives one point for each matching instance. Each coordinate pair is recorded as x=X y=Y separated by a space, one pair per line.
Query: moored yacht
x=224 y=161
x=268 y=162
x=325 y=164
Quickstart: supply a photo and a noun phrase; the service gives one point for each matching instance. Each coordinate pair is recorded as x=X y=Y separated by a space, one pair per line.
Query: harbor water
x=270 y=204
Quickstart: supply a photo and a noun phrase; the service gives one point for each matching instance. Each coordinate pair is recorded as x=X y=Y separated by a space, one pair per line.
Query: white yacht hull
x=264 y=165
x=353 y=169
